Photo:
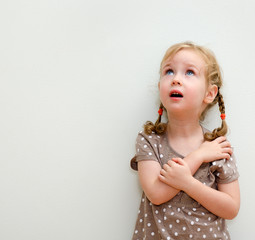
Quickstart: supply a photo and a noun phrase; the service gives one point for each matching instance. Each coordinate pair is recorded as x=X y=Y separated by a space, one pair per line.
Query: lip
x=175 y=91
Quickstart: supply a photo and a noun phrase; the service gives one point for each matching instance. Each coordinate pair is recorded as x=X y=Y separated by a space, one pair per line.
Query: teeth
x=174 y=94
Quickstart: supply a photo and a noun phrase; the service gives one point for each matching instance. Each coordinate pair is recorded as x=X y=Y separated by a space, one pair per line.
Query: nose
x=176 y=82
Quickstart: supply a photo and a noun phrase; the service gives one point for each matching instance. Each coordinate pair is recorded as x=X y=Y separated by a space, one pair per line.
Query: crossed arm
x=161 y=185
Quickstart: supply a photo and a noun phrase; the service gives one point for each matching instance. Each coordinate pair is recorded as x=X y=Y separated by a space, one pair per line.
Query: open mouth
x=176 y=94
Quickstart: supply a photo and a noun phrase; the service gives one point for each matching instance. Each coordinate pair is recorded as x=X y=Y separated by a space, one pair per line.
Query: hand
x=217 y=149
x=176 y=173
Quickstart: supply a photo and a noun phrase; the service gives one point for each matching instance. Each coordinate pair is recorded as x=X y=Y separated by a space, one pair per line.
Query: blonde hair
x=212 y=75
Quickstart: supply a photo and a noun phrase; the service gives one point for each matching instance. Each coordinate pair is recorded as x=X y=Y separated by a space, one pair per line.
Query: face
x=183 y=87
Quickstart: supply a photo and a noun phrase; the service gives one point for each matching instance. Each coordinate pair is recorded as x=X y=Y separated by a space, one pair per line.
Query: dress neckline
x=172 y=149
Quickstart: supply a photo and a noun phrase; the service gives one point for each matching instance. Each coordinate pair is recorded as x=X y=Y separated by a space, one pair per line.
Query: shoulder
x=142 y=137
x=147 y=148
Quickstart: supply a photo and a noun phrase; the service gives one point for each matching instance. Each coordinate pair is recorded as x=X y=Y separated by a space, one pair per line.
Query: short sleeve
x=225 y=171
x=146 y=149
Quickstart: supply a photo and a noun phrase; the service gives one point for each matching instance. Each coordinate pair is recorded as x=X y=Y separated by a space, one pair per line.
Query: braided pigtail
x=158 y=127
x=221 y=131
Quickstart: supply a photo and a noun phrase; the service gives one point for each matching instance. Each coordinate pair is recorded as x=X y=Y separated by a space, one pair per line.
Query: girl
x=188 y=174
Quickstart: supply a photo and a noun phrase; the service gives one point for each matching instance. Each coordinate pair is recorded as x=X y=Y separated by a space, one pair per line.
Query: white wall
x=77 y=81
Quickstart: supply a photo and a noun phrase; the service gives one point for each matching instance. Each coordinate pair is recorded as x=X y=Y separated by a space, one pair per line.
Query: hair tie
x=160 y=111
x=223 y=116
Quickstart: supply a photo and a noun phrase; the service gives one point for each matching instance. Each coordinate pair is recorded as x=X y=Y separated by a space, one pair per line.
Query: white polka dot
x=150 y=136
x=205 y=224
x=165 y=218
x=170 y=225
x=158 y=136
x=145 y=146
x=198 y=229
x=210 y=229
x=152 y=233
x=138 y=150
x=159 y=221
x=150 y=153
x=155 y=145
x=169 y=206
x=189 y=213
x=176 y=234
x=148 y=224
x=215 y=235
x=218 y=228
x=168 y=238
x=197 y=219
x=142 y=138
x=214 y=163
x=194 y=209
x=156 y=211
x=161 y=155
x=160 y=145
x=142 y=199
x=178 y=209
x=141 y=220
x=164 y=210
x=177 y=220
x=172 y=213
x=136 y=231
x=163 y=230
x=192 y=223
x=190 y=236
x=146 y=215
x=184 y=228
x=204 y=236
x=203 y=213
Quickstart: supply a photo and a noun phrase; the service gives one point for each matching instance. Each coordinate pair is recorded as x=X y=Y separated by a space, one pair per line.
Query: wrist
x=197 y=156
x=190 y=185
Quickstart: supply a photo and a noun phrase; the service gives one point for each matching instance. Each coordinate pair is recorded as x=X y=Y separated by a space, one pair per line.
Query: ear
x=211 y=93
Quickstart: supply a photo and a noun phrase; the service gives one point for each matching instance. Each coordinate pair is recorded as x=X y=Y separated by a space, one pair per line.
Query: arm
x=159 y=191
x=224 y=202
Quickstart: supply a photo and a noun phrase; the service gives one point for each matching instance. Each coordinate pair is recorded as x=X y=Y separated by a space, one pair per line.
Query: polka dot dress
x=181 y=217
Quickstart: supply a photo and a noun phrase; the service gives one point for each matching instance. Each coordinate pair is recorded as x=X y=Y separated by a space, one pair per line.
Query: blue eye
x=170 y=72
x=190 y=73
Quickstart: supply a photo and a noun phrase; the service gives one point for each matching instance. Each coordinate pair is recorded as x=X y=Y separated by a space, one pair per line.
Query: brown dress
x=181 y=217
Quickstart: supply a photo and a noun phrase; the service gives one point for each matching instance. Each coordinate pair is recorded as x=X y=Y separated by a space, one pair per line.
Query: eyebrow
x=187 y=64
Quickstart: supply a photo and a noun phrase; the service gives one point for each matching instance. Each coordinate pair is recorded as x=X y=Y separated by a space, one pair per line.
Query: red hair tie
x=160 y=111
x=223 y=116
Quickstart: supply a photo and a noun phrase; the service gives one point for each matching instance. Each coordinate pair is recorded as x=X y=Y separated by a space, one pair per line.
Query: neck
x=183 y=127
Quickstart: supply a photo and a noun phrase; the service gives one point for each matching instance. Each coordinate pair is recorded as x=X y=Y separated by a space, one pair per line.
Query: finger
x=178 y=161
x=220 y=139
x=228 y=152
x=226 y=156
x=162 y=172
x=166 y=167
x=161 y=178
x=225 y=144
